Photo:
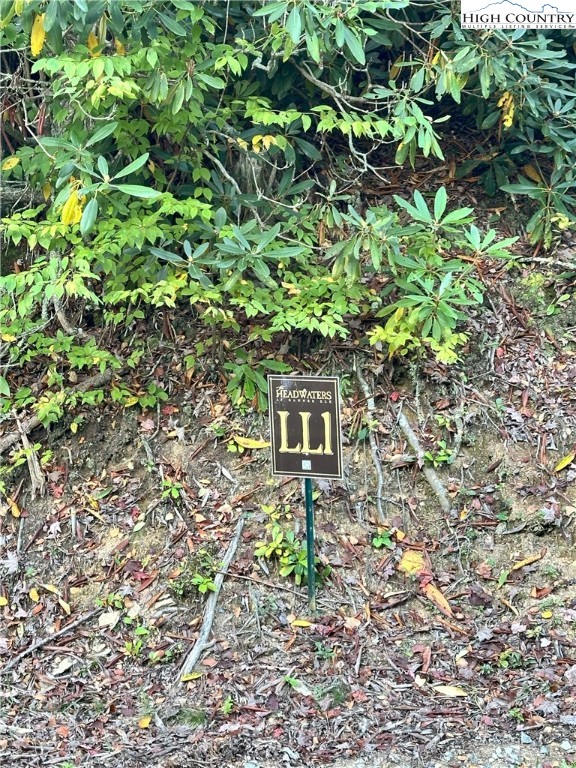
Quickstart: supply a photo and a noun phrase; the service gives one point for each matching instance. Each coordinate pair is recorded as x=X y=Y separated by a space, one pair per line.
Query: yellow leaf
x=528 y=561
x=247 y=442
x=132 y=400
x=190 y=676
x=9 y=163
x=74 y=427
x=38 y=35
x=395 y=68
x=65 y=607
x=301 y=623
x=50 y=588
x=71 y=210
x=547 y=614
x=14 y=508
x=563 y=463
x=95 y=513
x=144 y=722
x=47 y=191
x=411 y=562
x=452 y=691
x=92 y=45
x=3 y=601
x=33 y=595
x=434 y=594
x=532 y=173
x=8 y=337
x=120 y=49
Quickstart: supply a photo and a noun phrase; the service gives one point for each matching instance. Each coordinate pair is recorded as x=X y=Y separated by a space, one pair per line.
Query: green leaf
x=178 y=99
x=308 y=149
x=51 y=15
x=137 y=191
x=213 y=82
x=220 y=218
x=277 y=9
x=172 y=24
x=89 y=216
x=440 y=201
x=134 y=166
x=412 y=210
x=101 y=133
x=313 y=46
x=532 y=190
x=116 y=17
x=339 y=30
x=261 y=270
x=459 y=215
x=173 y=258
x=354 y=45
x=102 y=164
x=294 y=25
x=4 y=387
x=421 y=206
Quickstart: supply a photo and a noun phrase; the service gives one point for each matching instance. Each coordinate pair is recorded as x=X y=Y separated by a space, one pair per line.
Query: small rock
x=526 y=739
x=566 y=746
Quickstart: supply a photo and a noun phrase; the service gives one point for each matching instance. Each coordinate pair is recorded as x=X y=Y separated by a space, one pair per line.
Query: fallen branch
x=370 y=405
x=7 y=441
x=37 y=480
x=260 y=582
x=191 y=660
x=459 y=419
x=429 y=473
x=64 y=322
x=41 y=643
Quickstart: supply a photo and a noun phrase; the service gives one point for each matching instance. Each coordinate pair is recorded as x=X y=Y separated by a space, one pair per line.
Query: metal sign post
x=310 y=554
x=306 y=441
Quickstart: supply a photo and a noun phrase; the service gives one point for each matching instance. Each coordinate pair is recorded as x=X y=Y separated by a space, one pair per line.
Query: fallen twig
x=459 y=419
x=429 y=473
x=64 y=322
x=192 y=658
x=41 y=643
x=7 y=441
x=37 y=479
x=372 y=439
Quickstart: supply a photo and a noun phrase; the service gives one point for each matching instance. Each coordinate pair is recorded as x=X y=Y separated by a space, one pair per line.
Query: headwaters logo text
x=529 y=14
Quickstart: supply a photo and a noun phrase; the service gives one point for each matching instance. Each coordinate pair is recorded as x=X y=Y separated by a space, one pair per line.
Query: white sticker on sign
x=306 y=464
x=517 y=14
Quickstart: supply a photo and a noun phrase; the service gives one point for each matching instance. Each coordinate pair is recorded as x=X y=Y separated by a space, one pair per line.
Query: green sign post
x=306 y=441
x=310 y=554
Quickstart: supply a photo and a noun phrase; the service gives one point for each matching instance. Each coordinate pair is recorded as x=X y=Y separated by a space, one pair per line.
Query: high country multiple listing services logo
x=529 y=14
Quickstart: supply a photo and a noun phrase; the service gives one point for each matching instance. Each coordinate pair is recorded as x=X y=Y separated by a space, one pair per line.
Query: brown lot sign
x=305 y=426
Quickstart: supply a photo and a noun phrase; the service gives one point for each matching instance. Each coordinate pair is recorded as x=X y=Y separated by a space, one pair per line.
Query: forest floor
x=439 y=637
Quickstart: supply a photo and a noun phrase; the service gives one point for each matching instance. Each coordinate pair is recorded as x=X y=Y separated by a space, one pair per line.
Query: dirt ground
x=471 y=649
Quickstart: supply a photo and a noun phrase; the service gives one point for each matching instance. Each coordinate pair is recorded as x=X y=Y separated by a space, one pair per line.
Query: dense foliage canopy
x=214 y=155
